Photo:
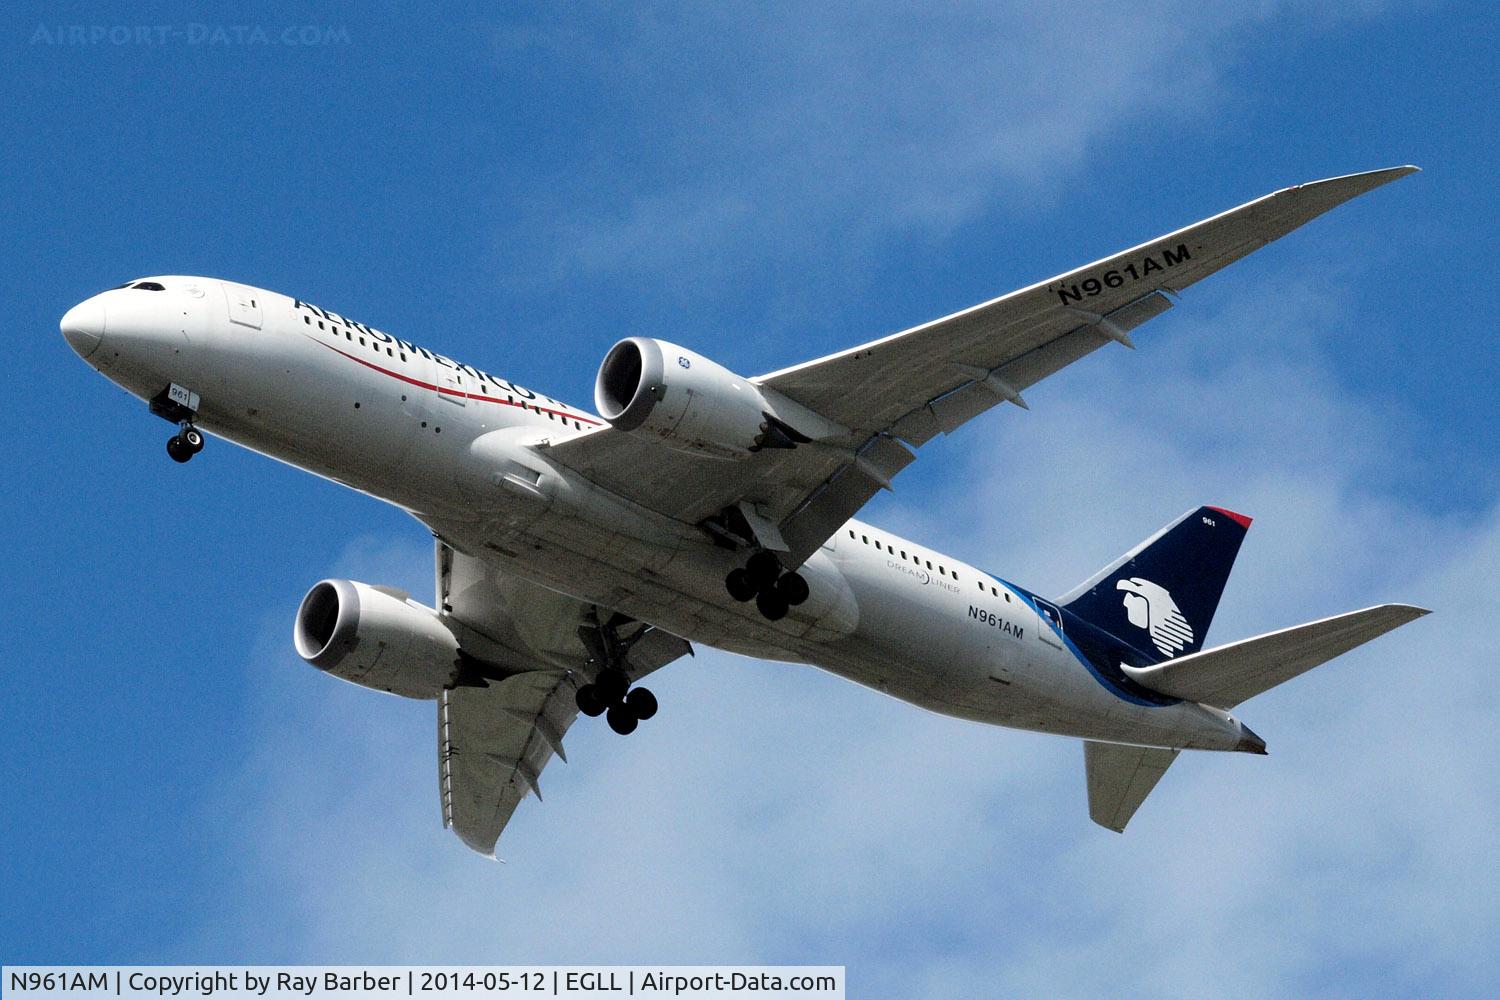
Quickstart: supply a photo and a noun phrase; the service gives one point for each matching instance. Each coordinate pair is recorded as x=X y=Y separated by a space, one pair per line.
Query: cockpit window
x=150 y=286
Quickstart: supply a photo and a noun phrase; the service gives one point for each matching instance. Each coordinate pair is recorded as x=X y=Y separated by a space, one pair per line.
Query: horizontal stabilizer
x=1120 y=778
x=1227 y=675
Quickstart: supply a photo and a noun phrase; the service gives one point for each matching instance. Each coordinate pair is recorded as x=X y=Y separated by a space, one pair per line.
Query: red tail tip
x=1240 y=519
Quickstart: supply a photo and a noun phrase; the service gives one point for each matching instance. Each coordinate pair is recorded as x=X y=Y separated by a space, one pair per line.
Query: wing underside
x=529 y=650
x=493 y=742
x=896 y=393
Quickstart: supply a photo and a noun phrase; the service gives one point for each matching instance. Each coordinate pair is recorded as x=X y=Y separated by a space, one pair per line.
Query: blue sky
x=519 y=187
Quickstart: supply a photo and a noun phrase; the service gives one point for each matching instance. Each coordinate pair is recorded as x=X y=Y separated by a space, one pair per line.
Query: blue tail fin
x=1161 y=595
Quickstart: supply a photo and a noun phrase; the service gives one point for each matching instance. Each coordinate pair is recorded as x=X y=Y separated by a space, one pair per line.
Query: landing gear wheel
x=772 y=605
x=763 y=568
x=588 y=701
x=792 y=588
x=641 y=702
x=622 y=720
x=610 y=686
x=739 y=585
x=179 y=449
x=193 y=438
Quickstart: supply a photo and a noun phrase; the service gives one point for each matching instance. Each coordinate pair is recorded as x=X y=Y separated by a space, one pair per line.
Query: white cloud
x=732 y=139
x=773 y=813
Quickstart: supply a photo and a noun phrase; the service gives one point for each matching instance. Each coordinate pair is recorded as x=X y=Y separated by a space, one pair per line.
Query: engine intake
x=687 y=402
x=375 y=639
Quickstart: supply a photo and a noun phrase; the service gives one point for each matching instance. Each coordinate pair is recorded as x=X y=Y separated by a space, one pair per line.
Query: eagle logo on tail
x=1150 y=607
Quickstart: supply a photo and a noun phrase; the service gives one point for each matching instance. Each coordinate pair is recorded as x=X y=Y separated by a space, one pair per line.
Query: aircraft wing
x=902 y=390
x=505 y=720
x=493 y=742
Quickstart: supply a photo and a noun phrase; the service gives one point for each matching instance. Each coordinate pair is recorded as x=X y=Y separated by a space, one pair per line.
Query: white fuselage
x=452 y=445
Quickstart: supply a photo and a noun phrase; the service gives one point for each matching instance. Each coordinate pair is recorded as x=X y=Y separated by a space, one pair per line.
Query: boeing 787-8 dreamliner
x=576 y=553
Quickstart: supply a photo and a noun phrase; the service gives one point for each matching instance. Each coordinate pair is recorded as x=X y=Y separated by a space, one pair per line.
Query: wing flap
x=1227 y=675
x=1120 y=778
x=975 y=393
x=493 y=742
x=842 y=494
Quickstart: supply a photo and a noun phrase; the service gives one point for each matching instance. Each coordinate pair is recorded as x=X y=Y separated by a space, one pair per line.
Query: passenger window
x=929 y=564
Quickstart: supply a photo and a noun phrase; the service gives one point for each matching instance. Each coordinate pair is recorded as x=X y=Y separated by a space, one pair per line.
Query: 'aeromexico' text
x=432 y=356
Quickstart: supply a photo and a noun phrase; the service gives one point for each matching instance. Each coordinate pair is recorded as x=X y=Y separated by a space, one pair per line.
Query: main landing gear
x=761 y=578
x=186 y=443
x=610 y=695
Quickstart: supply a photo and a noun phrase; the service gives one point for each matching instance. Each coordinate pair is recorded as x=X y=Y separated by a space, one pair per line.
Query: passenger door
x=452 y=387
x=1050 y=626
x=244 y=304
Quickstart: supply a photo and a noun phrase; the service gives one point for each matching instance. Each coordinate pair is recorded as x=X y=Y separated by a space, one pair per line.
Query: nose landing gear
x=186 y=443
x=761 y=578
x=179 y=406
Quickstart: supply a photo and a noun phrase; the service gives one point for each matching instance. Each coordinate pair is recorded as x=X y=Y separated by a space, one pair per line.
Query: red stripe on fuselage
x=456 y=392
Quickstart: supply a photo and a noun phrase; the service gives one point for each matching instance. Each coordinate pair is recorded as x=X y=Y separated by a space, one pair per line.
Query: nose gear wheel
x=183 y=445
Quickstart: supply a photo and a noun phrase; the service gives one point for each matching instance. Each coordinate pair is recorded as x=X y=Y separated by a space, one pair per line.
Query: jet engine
x=376 y=638
x=687 y=402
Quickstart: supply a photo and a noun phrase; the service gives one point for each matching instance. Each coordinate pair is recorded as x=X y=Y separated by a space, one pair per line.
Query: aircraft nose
x=83 y=326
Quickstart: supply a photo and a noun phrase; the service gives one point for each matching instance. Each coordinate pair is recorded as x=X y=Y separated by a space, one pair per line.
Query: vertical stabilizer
x=1161 y=596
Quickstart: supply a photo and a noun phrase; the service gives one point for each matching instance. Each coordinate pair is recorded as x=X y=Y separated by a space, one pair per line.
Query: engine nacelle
x=686 y=401
x=375 y=639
